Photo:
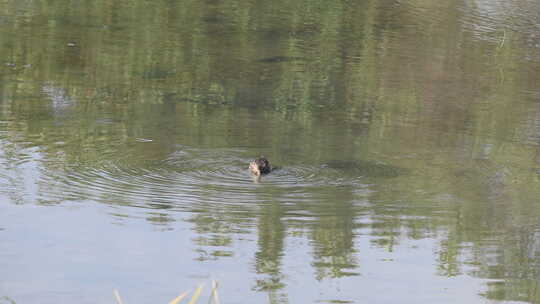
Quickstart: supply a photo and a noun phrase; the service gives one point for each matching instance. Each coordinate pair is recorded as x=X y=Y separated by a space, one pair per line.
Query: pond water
x=405 y=136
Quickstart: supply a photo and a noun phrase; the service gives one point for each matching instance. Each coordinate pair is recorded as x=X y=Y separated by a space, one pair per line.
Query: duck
x=260 y=166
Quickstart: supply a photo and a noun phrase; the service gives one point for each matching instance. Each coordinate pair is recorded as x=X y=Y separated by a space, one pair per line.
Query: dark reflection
x=391 y=121
x=365 y=168
x=158 y=73
x=275 y=59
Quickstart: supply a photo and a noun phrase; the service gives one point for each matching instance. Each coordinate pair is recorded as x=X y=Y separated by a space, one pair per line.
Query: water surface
x=406 y=136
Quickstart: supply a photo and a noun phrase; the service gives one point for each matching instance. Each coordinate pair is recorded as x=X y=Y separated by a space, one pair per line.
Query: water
x=406 y=137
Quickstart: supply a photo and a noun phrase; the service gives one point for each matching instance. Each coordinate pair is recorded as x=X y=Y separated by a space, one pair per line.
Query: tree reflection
x=97 y=99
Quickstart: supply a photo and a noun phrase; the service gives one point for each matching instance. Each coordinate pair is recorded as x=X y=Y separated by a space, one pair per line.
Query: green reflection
x=389 y=121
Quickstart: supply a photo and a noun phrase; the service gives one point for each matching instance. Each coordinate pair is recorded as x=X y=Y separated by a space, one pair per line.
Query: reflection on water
x=406 y=136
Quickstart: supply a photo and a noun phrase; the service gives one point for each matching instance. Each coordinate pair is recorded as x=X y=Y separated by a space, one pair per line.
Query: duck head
x=259 y=166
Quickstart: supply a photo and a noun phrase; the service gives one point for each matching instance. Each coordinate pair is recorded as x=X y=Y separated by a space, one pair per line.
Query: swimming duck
x=260 y=166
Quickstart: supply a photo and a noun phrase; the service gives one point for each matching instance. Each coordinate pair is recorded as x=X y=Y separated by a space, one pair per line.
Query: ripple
x=489 y=20
x=190 y=178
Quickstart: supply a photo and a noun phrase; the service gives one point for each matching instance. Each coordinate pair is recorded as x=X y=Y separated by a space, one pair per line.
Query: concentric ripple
x=188 y=178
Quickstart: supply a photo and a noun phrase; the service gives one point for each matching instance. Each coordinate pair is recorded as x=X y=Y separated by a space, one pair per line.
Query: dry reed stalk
x=117 y=296
x=179 y=298
x=196 y=294
x=214 y=295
